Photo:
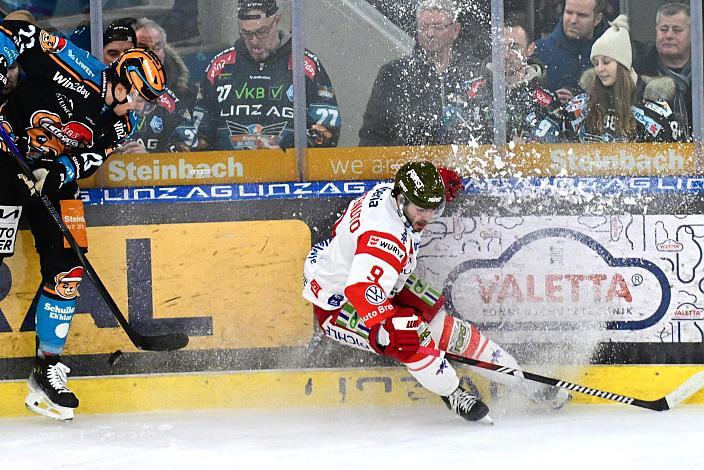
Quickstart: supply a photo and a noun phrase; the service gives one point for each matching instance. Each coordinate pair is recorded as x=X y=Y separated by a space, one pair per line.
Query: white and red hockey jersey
x=368 y=259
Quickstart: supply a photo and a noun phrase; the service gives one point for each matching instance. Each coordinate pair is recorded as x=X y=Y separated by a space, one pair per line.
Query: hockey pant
x=55 y=302
x=443 y=332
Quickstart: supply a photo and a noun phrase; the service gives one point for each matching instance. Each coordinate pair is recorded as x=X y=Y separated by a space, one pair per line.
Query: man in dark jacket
x=671 y=57
x=525 y=95
x=566 y=51
x=245 y=100
x=411 y=94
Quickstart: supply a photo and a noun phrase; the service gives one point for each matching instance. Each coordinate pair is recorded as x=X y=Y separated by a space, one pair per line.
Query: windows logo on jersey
x=255 y=136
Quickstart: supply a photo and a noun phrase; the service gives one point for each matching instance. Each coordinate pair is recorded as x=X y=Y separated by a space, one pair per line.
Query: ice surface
x=577 y=437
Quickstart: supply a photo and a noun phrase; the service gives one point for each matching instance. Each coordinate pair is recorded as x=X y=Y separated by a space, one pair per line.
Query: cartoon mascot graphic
x=67 y=283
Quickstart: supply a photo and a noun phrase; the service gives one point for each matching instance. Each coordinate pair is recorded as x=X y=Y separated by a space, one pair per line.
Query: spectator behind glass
x=246 y=97
x=117 y=38
x=158 y=122
x=565 y=52
x=412 y=94
x=671 y=57
x=524 y=78
x=473 y=112
x=620 y=105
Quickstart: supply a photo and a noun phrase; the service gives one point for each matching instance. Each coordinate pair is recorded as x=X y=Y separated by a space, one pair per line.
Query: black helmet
x=140 y=69
x=421 y=184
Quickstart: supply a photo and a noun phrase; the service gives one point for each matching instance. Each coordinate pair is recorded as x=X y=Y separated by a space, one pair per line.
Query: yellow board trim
x=355 y=163
x=279 y=389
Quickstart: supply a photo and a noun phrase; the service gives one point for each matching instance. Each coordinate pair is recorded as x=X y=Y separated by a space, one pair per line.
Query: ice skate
x=551 y=398
x=48 y=394
x=468 y=406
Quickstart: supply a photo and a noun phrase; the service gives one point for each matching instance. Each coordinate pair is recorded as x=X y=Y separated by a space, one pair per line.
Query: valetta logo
x=521 y=289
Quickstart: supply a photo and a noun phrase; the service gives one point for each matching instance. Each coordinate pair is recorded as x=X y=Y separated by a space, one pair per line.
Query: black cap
x=267 y=6
x=120 y=30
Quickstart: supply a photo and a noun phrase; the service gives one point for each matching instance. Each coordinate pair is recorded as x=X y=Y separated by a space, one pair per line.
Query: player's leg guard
x=54 y=311
x=461 y=337
x=438 y=376
x=435 y=374
x=464 y=339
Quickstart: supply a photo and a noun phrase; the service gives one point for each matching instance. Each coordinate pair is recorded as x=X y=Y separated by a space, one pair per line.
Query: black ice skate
x=468 y=406
x=48 y=394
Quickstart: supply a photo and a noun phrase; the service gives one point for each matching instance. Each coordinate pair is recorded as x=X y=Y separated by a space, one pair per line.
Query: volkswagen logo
x=375 y=295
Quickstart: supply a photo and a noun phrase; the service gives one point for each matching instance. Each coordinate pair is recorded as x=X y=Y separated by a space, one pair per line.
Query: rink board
x=317 y=388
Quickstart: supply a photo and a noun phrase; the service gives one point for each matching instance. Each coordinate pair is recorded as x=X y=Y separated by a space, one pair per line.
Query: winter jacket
x=409 y=98
x=566 y=59
x=649 y=64
x=478 y=108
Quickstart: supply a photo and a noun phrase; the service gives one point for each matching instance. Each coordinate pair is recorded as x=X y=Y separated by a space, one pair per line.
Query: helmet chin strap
x=115 y=102
x=400 y=204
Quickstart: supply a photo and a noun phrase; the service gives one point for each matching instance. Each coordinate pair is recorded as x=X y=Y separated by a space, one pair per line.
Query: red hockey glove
x=396 y=337
x=453 y=183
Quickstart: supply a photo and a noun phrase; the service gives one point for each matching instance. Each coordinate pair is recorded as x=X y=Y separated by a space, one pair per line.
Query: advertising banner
x=487 y=162
x=228 y=285
x=611 y=278
x=158 y=169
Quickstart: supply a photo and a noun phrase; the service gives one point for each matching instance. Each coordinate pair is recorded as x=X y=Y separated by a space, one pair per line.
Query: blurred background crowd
x=396 y=72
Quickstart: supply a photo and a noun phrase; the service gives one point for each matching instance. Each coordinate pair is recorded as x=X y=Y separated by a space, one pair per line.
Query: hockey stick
x=669 y=401
x=167 y=342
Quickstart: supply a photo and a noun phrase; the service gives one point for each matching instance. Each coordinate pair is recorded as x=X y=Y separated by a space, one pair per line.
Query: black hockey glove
x=51 y=176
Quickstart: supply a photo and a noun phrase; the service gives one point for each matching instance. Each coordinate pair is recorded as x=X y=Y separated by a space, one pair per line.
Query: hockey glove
x=396 y=337
x=453 y=183
x=51 y=177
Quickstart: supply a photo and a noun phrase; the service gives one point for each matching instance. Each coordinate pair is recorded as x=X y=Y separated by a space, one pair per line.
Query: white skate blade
x=486 y=420
x=38 y=403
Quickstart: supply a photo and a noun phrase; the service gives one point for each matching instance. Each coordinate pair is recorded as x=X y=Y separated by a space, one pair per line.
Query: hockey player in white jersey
x=364 y=294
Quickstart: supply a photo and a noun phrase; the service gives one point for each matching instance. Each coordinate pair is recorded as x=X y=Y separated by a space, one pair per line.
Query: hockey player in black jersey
x=66 y=116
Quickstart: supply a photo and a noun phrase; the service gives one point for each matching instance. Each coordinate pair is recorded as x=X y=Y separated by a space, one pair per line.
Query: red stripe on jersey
x=384 y=246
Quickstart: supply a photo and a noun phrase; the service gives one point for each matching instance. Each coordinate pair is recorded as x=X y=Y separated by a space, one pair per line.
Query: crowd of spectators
x=576 y=76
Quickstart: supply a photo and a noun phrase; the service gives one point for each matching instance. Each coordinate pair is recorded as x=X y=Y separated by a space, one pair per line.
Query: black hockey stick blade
x=674 y=398
x=166 y=342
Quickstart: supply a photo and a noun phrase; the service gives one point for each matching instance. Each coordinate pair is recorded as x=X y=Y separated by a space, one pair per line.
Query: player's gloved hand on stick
x=50 y=177
x=397 y=337
x=453 y=183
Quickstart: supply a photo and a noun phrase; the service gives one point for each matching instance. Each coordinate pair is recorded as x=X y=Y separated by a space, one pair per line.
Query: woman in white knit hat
x=619 y=106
